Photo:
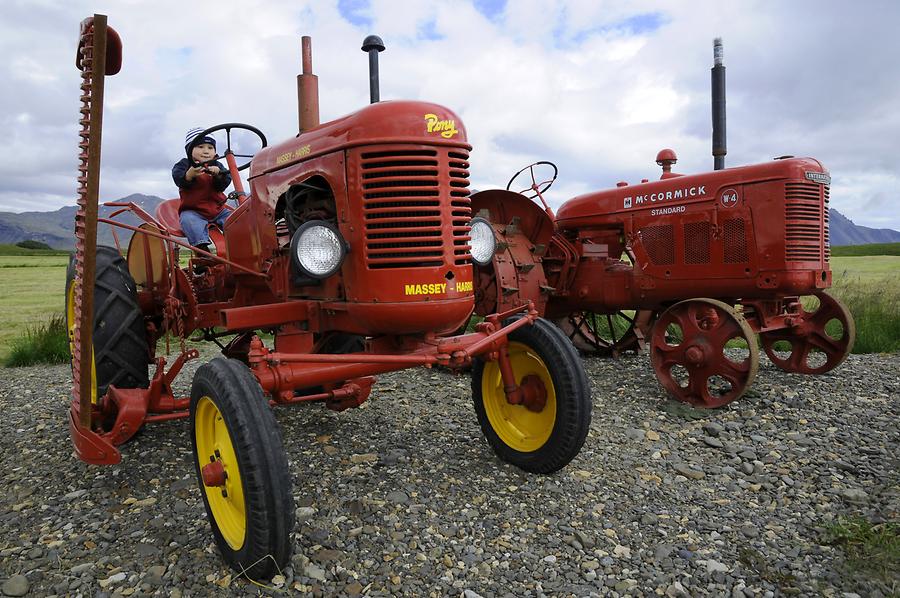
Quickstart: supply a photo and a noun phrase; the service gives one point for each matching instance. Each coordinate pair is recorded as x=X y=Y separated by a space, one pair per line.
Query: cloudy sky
x=596 y=86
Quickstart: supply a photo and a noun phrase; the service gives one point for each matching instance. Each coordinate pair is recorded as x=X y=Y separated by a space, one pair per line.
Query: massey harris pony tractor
x=353 y=248
x=696 y=265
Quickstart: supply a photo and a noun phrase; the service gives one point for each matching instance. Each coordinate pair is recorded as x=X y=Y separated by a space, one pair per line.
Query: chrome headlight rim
x=339 y=244
x=490 y=237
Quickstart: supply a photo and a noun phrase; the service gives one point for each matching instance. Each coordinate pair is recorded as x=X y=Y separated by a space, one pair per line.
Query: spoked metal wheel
x=546 y=431
x=242 y=469
x=817 y=343
x=704 y=352
x=608 y=334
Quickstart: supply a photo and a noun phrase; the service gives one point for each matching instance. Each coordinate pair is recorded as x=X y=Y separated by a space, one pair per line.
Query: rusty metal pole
x=307 y=89
x=719 y=147
x=89 y=225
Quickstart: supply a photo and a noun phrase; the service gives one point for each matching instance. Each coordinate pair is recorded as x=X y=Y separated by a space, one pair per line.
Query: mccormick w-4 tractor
x=353 y=249
x=700 y=264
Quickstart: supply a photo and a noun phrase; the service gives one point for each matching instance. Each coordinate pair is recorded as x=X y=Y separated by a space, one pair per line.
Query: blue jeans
x=195 y=226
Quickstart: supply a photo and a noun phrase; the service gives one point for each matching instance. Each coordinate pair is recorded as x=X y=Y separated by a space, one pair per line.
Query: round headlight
x=482 y=241
x=317 y=249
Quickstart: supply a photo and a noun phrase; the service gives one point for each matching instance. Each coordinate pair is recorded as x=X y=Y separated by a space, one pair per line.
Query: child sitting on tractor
x=201 y=181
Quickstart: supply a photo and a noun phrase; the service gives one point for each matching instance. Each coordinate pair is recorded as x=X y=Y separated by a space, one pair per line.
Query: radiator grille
x=804 y=222
x=659 y=242
x=825 y=215
x=410 y=197
x=696 y=243
x=735 y=237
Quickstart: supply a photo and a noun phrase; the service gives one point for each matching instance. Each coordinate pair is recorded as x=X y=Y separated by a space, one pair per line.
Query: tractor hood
x=678 y=190
x=384 y=122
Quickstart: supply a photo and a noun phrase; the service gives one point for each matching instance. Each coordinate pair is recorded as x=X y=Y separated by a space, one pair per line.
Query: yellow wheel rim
x=226 y=502
x=70 y=325
x=519 y=428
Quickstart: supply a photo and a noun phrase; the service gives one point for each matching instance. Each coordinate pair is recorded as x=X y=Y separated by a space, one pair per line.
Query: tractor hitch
x=132 y=408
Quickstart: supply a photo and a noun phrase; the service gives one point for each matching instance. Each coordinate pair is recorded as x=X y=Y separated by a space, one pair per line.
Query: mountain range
x=55 y=228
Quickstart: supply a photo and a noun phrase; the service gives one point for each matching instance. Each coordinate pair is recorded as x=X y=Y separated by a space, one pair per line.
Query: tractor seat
x=167 y=215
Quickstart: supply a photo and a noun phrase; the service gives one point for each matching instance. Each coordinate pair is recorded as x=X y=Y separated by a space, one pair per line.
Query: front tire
x=251 y=507
x=547 y=440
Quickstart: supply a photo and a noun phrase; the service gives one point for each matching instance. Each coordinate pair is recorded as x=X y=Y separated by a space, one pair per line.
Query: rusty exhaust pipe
x=373 y=45
x=719 y=148
x=307 y=89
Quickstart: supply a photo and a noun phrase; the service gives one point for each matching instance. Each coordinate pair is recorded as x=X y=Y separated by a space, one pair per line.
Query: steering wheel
x=227 y=127
x=535 y=188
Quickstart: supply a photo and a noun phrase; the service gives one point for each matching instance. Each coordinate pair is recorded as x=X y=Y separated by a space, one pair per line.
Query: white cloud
x=595 y=86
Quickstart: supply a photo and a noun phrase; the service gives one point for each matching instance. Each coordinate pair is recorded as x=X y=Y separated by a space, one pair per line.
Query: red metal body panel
x=750 y=232
x=397 y=121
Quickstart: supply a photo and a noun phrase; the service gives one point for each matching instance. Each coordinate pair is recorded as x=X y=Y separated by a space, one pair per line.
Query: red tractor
x=700 y=264
x=353 y=249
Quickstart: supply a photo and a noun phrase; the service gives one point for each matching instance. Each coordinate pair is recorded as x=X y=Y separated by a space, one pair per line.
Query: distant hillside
x=842 y=231
x=56 y=229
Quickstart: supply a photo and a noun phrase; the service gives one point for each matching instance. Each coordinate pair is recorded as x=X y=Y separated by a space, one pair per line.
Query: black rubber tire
x=265 y=477
x=121 y=354
x=573 y=400
x=341 y=343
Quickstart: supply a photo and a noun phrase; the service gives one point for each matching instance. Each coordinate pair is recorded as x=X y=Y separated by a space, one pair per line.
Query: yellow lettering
x=463 y=286
x=447 y=128
x=433 y=288
x=296 y=154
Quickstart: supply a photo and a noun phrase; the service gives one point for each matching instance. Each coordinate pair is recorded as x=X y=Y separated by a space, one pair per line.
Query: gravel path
x=404 y=497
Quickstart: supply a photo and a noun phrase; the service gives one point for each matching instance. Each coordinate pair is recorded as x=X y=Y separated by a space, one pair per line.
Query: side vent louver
x=805 y=222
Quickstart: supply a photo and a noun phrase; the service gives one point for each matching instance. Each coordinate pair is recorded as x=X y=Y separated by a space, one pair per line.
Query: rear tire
x=538 y=442
x=120 y=346
x=252 y=514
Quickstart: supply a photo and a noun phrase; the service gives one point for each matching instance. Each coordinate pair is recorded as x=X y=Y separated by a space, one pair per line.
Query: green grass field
x=6 y=250
x=870 y=249
x=870 y=288
x=33 y=291
x=34 y=287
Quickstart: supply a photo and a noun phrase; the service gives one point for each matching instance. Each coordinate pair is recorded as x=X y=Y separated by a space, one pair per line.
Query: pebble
x=304 y=513
x=713 y=429
x=689 y=471
x=17 y=585
x=714 y=566
x=314 y=572
x=854 y=494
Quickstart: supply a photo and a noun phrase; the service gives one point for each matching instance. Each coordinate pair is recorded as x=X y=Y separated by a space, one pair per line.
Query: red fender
x=516 y=275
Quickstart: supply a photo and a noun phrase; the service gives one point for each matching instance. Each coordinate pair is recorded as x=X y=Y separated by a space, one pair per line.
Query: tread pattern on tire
x=266 y=479
x=121 y=354
x=573 y=396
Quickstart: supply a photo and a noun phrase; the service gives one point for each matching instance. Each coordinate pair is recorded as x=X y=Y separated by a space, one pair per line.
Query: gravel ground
x=404 y=497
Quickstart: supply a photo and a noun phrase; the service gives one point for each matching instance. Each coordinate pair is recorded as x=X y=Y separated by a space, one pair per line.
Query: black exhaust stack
x=719 y=148
x=373 y=45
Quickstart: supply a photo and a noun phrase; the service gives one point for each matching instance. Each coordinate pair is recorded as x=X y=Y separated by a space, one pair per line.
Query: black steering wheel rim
x=227 y=127
x=536 y=188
